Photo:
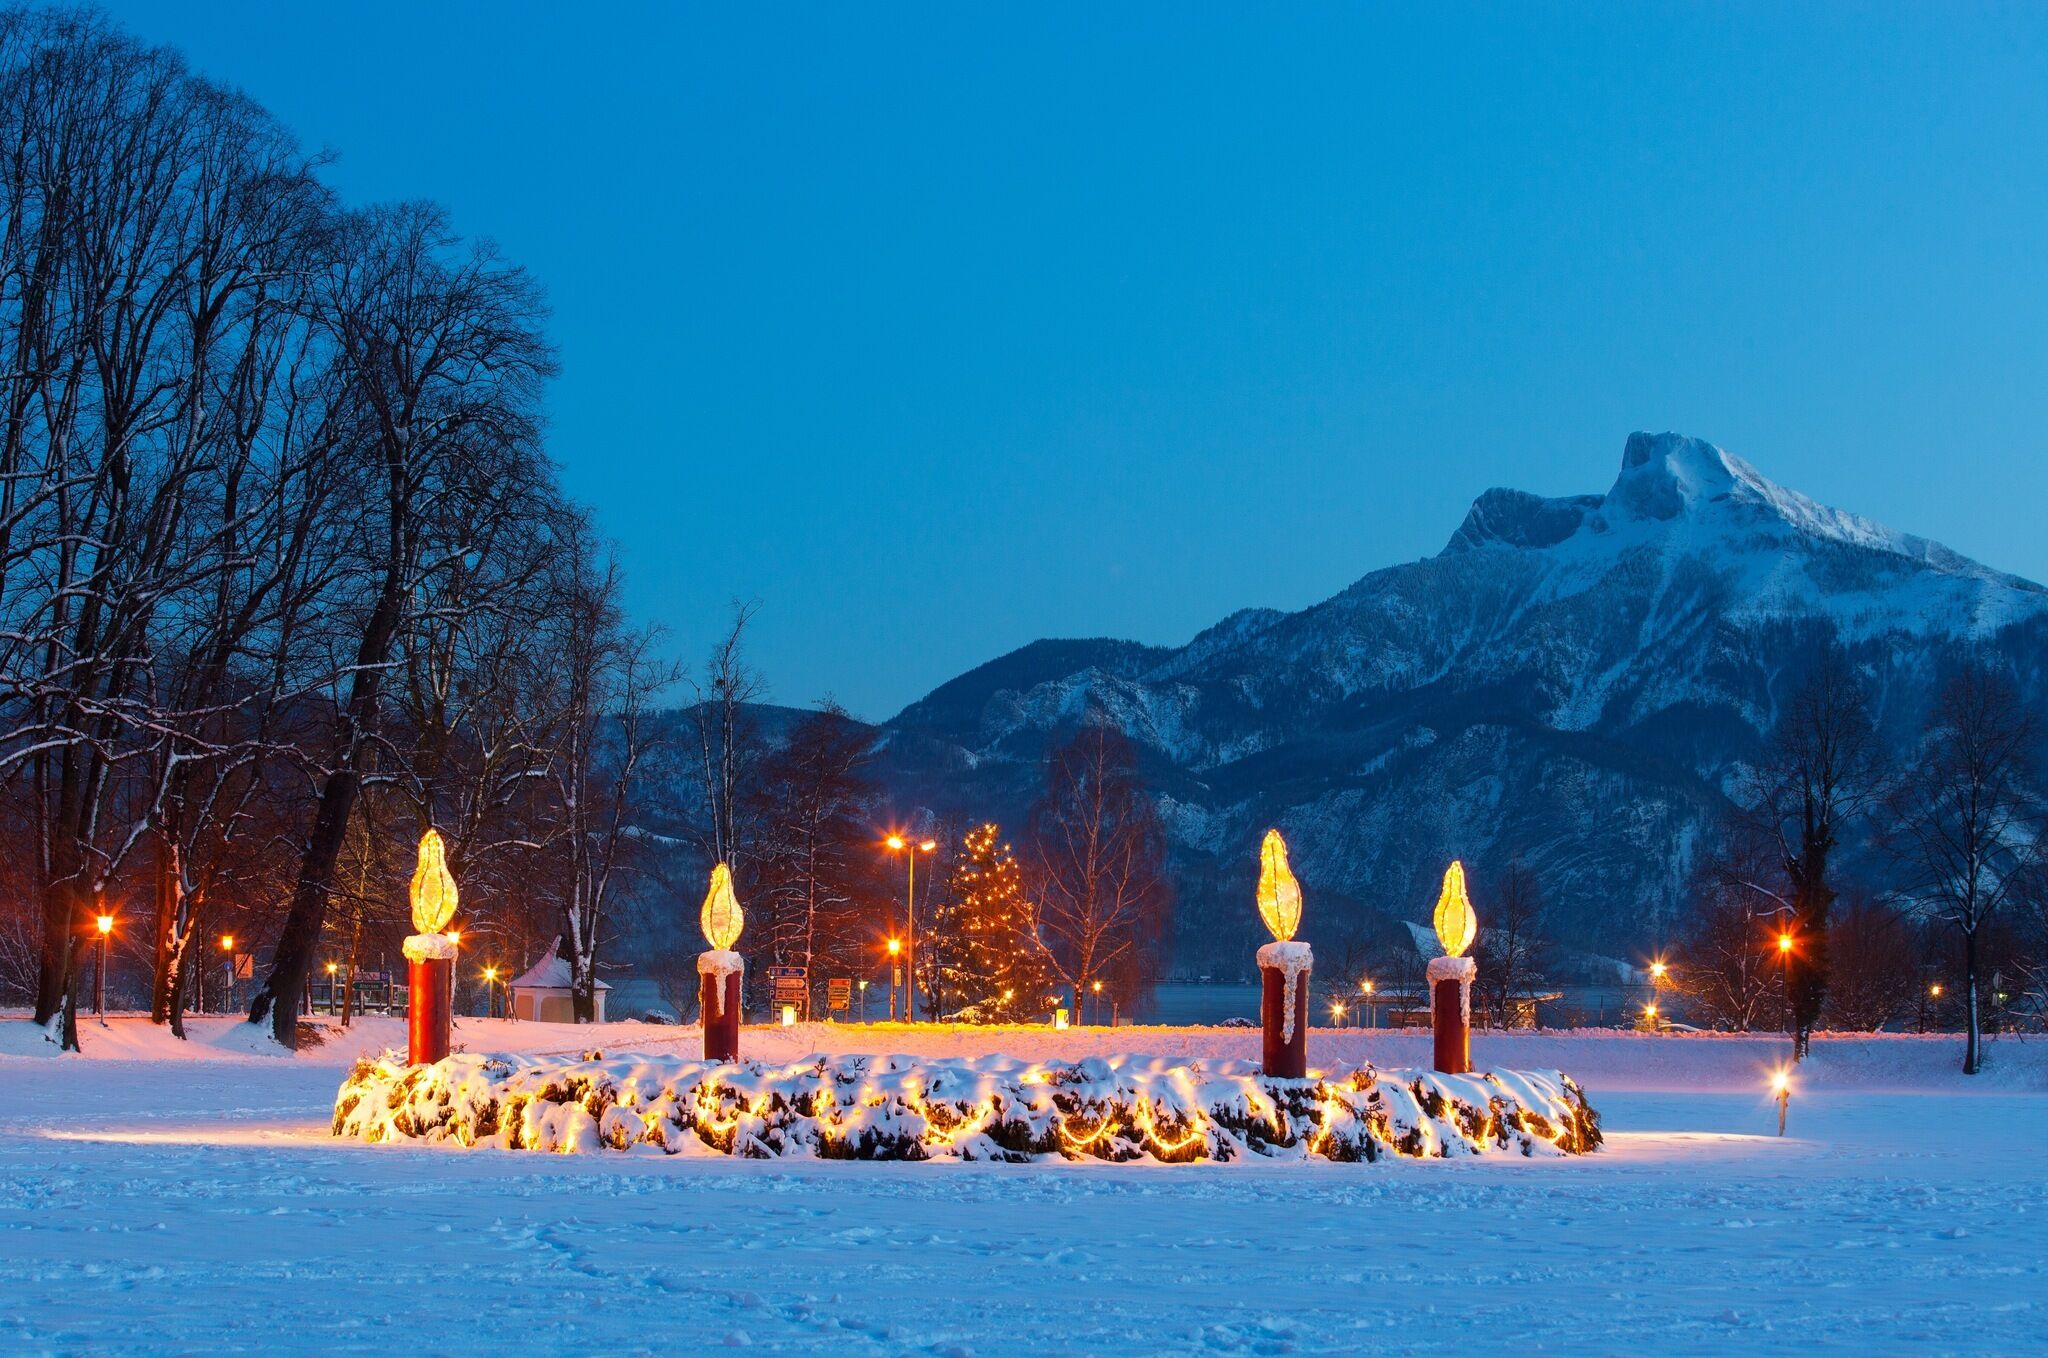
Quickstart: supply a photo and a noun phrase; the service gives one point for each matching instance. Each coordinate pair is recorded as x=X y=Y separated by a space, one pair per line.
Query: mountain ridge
x=1572 y=680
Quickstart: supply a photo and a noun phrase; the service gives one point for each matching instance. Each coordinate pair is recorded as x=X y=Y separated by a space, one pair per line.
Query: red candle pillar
x=719 y=972
x=1450 y=1011
x=1283 y=1007
x=430 y=961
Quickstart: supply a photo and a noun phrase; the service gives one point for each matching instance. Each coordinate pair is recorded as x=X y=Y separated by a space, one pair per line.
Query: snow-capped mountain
x=1574 y=681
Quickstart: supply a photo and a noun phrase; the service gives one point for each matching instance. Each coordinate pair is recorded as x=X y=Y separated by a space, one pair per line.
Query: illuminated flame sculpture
x=720 y=970
x=1456 y=925
x=722 y=918
x=1279 y=893
x=1450 y=976
x=430 y=954
x=1284 y=965
x=433 y=886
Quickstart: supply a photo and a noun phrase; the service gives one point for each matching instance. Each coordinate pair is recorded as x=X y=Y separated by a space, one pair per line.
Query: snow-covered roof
x=550 y=973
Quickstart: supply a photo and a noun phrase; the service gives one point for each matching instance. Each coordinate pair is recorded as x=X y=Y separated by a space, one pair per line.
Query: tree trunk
x=1973 y=1043
x=277 y=998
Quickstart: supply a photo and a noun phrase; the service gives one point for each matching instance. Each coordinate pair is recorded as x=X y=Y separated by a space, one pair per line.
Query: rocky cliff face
x=1574 y=681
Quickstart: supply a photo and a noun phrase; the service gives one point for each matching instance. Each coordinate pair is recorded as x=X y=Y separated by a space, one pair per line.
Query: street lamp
x=1096 y=988
x=1337 y=1012
x=227 y=948
x=895 y=973
x=910 y=850
x=491 y=991
x=331 y=969
x=1372 y=1011
x=105 y=924
x=863 y=1001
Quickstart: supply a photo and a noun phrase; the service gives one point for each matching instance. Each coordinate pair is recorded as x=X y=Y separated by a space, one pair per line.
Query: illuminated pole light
x=1284 y=965
x=105 y=925
x=331 y=1007
x=895 y=975
x=1372 y=1011
x=1451 y=976
x=430 y=954
x=898 y=844
x=719 y=970
x=1781 y=1086
x=491 y=991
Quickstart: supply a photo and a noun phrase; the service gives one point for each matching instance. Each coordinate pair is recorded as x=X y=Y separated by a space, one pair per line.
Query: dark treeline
x=285 y=575
x=1854 y=890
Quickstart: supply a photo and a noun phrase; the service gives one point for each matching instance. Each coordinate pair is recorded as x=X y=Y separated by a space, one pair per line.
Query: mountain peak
x=1663 y=475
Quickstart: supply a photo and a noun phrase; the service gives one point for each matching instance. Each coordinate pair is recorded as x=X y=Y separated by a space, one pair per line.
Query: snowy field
x=158 y=1197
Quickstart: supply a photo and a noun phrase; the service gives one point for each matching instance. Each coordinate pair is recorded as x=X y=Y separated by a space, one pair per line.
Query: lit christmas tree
x=1003 y=975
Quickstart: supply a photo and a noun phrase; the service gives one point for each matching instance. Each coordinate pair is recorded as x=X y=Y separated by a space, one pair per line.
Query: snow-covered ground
x=160 y=1197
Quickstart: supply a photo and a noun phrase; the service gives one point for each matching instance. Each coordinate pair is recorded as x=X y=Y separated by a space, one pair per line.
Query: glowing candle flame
x=433 y=886
x=722 y=918
x=1279 y=893
x=1456 y=925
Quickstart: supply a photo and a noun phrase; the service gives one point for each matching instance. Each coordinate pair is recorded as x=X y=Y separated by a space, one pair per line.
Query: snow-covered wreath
x=990 y=1108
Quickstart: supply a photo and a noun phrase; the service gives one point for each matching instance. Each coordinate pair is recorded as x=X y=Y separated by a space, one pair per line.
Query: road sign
x=839 y=993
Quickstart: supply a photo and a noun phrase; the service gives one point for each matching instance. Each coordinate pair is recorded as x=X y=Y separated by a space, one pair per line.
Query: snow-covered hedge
x=989 y=1108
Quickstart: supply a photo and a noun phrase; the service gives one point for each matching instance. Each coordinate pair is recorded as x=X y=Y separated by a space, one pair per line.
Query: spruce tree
x=1004 y=974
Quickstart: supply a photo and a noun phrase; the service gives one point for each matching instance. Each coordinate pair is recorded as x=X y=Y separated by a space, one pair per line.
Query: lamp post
x=1372 y=1010
x=105 y=925
x=490 y=992
x=1658 y=971
x=863 y=1000
x=910 y=851
x=720 y=970
x=895 y=976
x=227 y=990
x=1450 y=976
x=332 y=1006
x=1095 y=989
x=1785 y=956
x=1284 y=965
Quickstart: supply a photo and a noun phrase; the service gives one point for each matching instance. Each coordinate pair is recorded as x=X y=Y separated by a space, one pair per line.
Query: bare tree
x=1728 y=969
x=1819 y=776
x=1100 y=904
x=1968 y=822
x=609 y=672
x=441 y=354
x=727 y=743
x=1511 y=946
x=1871 y=952
x=816 y=860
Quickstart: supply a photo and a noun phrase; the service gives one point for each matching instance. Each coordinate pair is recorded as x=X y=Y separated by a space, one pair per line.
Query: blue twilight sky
x=939 y=329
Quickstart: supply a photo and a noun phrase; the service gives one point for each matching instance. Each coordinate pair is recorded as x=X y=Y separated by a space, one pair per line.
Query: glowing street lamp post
x=895 y=975
x=227 y=990
x=105 y=925
x=1372 y=1010
x=721 y=970
x=429 y=955
x=898 y=844
x=1450 y=976
x=1284 y=965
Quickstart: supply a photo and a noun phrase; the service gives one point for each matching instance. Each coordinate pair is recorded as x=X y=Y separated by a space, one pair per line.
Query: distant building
x=542 y=994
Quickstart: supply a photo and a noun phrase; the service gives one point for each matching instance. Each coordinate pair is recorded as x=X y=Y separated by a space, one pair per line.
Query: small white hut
x=542 y=994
